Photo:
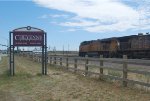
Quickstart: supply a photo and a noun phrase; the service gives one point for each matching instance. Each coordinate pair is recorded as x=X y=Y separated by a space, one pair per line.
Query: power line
x=4 y=45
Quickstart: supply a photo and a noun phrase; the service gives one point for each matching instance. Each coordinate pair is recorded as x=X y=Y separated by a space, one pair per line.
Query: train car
x=134 y=46
x=140 y=46
x=105 y=47
x=94 y=48
x=124 y=47
x=84 y=48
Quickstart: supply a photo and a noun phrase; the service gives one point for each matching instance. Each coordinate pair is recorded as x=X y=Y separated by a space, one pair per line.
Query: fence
x=77 y=62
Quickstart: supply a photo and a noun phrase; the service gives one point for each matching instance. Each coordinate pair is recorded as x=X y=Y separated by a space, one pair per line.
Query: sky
x=69 y=22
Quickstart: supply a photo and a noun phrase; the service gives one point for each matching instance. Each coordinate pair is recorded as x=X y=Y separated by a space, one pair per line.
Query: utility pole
x=68 y=49
x=63 y=49
x=49 y=48
x=54 y=50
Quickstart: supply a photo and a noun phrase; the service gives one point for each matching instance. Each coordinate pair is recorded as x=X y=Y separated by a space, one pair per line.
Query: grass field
x=58 y=85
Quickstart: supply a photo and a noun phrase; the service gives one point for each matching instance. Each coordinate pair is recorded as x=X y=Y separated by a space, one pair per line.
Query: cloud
x=83 y=23
x=59 y=15
x=69 y=30
x=104 y=15
x=72 y=30
x=45 y=16
x=122 y=26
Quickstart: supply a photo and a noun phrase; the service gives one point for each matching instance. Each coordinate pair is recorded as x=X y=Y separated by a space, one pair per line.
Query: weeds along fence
x=105 y=68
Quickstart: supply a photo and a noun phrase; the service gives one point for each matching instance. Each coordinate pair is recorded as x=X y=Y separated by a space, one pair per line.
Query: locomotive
x=134 y=46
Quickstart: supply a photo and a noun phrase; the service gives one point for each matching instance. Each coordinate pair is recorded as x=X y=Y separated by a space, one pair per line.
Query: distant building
x=3 y=51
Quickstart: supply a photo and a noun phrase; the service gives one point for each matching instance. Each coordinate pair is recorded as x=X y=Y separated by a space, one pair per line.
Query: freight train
x=134 y=46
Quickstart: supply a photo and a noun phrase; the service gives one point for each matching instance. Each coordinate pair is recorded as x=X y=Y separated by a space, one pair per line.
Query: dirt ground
x=59 y=85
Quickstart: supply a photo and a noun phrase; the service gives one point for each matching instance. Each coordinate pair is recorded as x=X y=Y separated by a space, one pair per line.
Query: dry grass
x=59 y=85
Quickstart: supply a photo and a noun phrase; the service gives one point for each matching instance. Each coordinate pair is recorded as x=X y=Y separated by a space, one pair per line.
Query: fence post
x=67 y=62
x=124 y=70
x=60 y=61
x=36 y=58
x=55 y=60
x=75 y=65
x=101 y=67
x=47 y=59
x=50 y=60
x=39 y=59
x=86 y=65
x=33 y=57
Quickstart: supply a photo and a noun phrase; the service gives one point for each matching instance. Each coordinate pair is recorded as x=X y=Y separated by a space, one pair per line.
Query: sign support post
x=46 y=58
x=27 y=36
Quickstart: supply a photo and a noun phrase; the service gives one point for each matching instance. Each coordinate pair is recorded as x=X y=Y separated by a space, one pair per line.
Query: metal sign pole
x=45 y=53
x=13 y=72
x=39 y=39
x=10 y=53
x=43 y=60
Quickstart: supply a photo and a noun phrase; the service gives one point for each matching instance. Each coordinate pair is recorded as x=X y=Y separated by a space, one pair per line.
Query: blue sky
x=69 y=22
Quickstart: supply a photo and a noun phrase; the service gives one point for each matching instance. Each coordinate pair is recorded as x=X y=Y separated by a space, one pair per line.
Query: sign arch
x=27 y=37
